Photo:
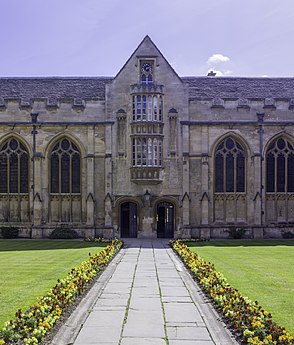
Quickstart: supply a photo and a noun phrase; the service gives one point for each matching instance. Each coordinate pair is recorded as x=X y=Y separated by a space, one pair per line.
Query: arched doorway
x=128 y=219
x=165 y=220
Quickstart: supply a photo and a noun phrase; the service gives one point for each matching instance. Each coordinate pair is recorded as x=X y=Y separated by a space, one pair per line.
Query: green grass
x=261 y=270
x=29 y=268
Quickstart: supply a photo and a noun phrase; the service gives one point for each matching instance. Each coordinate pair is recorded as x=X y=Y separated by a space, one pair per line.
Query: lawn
x=261 y=270
x=29 y=268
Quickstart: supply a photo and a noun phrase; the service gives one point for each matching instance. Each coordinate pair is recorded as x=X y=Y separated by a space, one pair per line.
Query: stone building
x=147 y=153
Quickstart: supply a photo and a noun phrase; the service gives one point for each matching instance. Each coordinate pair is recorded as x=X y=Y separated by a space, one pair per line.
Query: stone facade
x=147 y=153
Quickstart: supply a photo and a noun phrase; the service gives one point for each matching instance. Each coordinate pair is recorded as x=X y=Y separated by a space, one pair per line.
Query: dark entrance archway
x=128 y=219
x=165 y=220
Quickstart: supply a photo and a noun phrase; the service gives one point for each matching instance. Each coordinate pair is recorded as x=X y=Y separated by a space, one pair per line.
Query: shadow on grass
x=28 y=244
x=242 y=243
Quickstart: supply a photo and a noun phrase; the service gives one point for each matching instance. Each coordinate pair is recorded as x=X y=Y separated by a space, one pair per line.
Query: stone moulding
x=218 y=103
x=269 y=103
x=79 y=103
x=52 y=102
x=142 y=175
x=243 y=103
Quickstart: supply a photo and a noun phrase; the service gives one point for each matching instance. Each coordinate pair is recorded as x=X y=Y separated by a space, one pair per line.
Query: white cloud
x=217 y=58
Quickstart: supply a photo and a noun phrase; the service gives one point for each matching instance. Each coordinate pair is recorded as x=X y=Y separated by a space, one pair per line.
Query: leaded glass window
x=14 y=167
x=280 y=167
x=147 y=108
x=65 y=168
x=147 y=152
x=229 y=167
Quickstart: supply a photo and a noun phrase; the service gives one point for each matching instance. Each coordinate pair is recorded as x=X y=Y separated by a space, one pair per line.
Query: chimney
x=211 y=74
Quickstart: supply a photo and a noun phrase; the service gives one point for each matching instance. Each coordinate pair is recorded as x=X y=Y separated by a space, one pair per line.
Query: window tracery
x=280 y=167
x=65 y=168
x=229 y=167
x=14 y=168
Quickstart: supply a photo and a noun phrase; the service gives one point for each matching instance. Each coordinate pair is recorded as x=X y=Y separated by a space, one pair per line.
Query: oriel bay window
x=65 y=168
x=147 y=152
x=147 y=108
x=147 y=126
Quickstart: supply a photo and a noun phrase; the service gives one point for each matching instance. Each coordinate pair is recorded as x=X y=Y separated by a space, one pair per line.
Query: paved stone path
x=148 y=298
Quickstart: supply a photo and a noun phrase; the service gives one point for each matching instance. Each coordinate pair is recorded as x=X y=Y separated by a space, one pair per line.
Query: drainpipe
x=34 y=132
x=260 y=117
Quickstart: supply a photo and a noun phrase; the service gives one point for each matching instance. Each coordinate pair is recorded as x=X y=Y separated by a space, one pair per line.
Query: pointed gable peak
x=147 y=49
x=146 y=38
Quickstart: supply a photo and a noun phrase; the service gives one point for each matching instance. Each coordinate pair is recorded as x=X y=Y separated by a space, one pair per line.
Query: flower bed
x=31 y=326
x=250 y=323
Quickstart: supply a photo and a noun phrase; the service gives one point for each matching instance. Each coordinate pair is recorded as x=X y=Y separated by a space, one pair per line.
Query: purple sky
x=96 y=37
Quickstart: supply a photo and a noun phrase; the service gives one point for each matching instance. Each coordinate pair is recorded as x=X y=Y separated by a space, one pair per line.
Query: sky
x=96 y=37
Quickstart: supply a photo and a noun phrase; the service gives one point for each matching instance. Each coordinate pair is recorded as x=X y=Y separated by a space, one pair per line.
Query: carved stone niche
x=218 y=103
x=121 y=116
x=269 y=103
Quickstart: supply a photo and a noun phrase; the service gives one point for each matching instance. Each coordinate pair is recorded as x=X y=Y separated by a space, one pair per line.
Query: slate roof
x=199 y=87
x=231 y=87
x=59 y=87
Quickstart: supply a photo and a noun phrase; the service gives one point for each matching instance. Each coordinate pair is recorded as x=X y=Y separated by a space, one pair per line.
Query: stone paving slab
x=145 y=291
x=94 y=335
x=144 y=324
x=181 y=312
x=145 y=303
x=104 y=318
x=143 y=341
x=111 y=302
x=177 y=291
x=176 y=299
x=188 y=333
x=192 y=342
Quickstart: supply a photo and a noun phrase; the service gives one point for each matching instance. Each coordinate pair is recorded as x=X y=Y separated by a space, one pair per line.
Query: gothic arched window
x=229 y=167
x=280 y=167
x=14 y=167
x=65 y=168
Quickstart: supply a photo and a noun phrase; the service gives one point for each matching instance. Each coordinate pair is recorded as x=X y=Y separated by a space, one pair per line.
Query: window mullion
x=286 y=173
x=235 y=173
x=8 y=173
x=276 y=174
x=70 y=174
x=225 y=173
x=59 y=173
x=18 y=174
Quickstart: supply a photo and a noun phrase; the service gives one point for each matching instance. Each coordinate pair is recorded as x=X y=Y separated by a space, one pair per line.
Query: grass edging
x=251 y=324
x=31 y=326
